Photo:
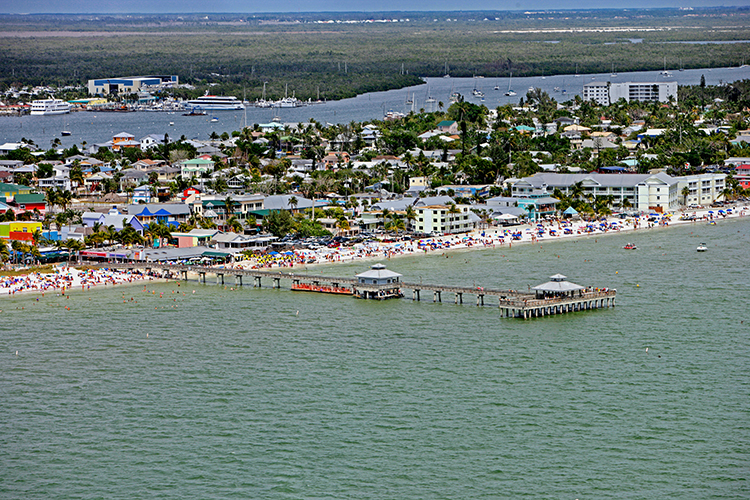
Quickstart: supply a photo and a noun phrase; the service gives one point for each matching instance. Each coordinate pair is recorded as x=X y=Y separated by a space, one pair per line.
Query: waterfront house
x=448 y=127
x=124 y=140
x=112 y=218
x=169 y=213
x=19 y=230
x=196 y=167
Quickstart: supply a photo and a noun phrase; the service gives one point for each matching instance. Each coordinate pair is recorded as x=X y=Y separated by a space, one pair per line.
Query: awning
x=217 y=254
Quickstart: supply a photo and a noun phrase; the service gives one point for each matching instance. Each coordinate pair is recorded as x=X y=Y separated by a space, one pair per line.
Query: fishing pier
x=558 y=296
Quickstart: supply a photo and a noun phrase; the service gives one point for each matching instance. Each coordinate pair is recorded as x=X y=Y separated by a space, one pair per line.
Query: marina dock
x=555 y=297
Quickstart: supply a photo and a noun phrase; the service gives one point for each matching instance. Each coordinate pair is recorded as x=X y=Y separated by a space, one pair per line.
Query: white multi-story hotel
x=438 y=219
x=704 y=189
x=606 y=93
x=643 y=192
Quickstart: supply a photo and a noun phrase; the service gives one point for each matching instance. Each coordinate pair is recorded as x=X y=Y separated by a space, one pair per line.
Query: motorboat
x=214 y=119
x=65 y=133
x=702 y=247
x=630 y=246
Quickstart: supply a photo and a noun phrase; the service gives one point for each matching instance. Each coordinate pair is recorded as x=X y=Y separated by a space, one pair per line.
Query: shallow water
x=262 y=393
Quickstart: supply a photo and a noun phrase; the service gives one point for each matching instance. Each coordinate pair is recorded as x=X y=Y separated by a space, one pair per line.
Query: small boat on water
x=214 y=119
x=195 y=112
x=337 y=290
x=630 y=246
x=65 y=133
x=702 y=247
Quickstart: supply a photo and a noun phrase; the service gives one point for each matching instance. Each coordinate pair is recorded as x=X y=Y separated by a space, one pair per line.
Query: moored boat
x=50 y=107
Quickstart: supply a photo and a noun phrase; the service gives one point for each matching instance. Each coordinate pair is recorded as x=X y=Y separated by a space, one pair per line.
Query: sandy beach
x=493 y=237
x=67 y=279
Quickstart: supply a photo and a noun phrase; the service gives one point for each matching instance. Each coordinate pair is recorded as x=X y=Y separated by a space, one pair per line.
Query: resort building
x=642 y=192
x=436 y=219
x=129 y=84
x=704 y=189
x=606 y=93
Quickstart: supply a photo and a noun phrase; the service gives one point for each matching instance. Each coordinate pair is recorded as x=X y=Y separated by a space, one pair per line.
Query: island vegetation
x=334 y=56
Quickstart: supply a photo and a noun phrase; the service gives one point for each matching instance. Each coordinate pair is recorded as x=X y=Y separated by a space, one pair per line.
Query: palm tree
x=38 y=237
x=452 y=211
x=229 y=205
x=530 y=210
x=234 y=224
x=410 y=215
x=17 y=247
x=385 y=214
x=344 y=225
x=110 y=234
x=64 y=198
x=4 y=251
x=73 y=246
x=293 y=202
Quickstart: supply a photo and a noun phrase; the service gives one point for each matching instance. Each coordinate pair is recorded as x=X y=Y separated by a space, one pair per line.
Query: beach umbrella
x=710 y=211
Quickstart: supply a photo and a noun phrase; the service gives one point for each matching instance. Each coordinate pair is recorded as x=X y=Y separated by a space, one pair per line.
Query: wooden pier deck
x=512 y=303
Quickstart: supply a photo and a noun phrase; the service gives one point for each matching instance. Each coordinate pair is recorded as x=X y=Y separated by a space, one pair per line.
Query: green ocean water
x=262 y=393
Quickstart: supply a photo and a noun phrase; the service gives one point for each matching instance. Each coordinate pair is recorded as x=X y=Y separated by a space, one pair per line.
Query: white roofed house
x=153 y=140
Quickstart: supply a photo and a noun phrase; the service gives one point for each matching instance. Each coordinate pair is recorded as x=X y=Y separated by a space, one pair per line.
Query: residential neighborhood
x=423 y=174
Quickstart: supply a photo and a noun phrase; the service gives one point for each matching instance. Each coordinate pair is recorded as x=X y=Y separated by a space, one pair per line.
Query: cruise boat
x=216 y=103
x=49 y=107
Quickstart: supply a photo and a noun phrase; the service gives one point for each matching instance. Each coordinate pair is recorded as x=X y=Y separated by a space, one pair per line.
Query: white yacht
x=49 y=107
x=216 y=103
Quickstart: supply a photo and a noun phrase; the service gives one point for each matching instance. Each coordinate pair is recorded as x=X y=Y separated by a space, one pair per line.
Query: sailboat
x=67 y=131
x=665 y=73
x=447 y=73
x=430 y=99
x=613 y=70
x=510 y=92
x=577 y=75
x=476 y=92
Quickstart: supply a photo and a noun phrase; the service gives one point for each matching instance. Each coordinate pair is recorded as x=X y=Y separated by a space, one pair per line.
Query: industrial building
x=130 y=84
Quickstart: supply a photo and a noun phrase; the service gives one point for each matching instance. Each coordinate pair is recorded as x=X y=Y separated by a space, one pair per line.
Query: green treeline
x=334 y=61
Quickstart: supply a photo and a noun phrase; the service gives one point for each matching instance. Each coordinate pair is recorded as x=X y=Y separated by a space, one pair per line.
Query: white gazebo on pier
x=558 y=287
x=378 y=283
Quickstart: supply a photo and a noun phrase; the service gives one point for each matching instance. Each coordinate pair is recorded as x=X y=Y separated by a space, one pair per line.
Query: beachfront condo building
x=641 y=192
x=606 y=93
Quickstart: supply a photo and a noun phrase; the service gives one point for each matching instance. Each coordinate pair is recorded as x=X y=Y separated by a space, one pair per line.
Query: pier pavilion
x=378 y=283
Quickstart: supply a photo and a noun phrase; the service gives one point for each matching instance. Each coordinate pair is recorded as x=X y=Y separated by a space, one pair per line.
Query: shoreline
x=494 y=237
x=68 y=279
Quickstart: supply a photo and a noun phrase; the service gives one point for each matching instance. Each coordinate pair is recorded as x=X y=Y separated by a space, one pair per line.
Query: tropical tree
x=4 y=251
x=453 y=210
x=234 y=224
x=410 y=215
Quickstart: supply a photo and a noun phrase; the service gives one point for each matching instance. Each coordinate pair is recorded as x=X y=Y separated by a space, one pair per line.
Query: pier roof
x=557 y=284
x=378 y=271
